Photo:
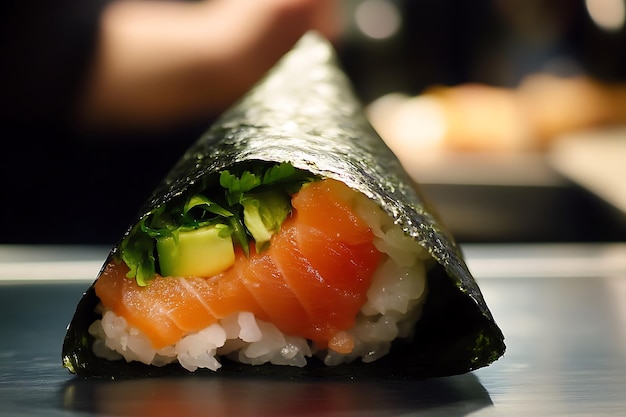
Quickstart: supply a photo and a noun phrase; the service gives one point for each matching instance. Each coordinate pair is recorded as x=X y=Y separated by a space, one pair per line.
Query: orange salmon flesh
x=311 y=282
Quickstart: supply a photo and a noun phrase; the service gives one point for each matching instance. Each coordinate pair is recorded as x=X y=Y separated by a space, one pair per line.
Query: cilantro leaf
x=246 y=204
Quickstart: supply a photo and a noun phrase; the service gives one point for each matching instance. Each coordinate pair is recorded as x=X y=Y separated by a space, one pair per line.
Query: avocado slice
x=201 y=252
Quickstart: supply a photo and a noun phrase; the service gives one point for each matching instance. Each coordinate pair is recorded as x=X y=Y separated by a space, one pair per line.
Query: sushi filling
x=393 y=306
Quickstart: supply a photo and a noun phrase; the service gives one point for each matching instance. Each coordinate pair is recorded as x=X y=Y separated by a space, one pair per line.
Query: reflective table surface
x=562 y=309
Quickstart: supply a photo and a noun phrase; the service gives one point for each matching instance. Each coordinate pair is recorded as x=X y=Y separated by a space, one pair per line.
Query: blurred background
x=511 y=114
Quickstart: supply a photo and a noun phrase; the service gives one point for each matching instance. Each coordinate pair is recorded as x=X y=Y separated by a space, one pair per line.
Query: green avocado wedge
x=305 y=113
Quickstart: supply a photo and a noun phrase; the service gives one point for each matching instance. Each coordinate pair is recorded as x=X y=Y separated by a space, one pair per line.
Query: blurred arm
x=160 y=63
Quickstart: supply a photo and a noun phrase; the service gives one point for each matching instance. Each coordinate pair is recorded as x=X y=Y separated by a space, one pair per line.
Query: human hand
x=161 y=63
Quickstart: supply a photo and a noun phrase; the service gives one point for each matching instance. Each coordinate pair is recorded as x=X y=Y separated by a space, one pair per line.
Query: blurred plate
x=596 y=160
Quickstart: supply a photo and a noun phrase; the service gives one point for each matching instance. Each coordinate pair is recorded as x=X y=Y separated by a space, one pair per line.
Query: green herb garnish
x=247 y=205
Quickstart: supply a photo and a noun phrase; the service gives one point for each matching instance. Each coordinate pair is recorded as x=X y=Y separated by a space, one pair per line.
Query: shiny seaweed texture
x=305 y=112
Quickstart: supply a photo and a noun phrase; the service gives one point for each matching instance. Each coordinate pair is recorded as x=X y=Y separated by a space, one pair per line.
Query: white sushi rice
x=393 y=305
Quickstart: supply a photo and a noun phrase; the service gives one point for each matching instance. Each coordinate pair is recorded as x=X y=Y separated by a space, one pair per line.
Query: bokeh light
x=378 y=19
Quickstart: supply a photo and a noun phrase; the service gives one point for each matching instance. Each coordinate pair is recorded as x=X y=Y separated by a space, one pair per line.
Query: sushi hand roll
x=287 y=241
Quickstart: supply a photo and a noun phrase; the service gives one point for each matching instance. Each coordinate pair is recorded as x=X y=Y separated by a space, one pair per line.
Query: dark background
x=439 y=42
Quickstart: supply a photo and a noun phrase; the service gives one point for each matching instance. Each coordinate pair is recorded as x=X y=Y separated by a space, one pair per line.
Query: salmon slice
x=165 y=310
x=311 y=282
x=276 y=298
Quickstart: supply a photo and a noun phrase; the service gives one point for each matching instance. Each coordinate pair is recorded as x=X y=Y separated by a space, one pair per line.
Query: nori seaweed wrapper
x=304 y=112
